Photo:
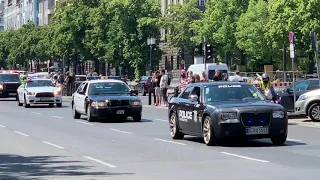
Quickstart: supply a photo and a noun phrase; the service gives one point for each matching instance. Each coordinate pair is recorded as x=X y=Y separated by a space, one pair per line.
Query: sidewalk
x=66 y=98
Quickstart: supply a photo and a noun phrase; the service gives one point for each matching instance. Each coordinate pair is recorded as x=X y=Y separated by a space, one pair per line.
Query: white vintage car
x=39 y=91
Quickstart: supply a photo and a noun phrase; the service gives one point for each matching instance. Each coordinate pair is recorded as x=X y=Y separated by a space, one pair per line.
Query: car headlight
x=57 y=93
x=135 y=103
x=302 y=97
x=228 y=115
x=31 y=93
x=97 y=104
x=278 y=114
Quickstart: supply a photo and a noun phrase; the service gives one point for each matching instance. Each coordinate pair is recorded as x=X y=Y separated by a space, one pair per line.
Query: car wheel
x=19 y=103
x=75 y=113
x=137 y=118
x=59 y=104
x=26 y=105
x=279 y=140
x=174 y=127
x=89 y=117
x=209 y=137
x=314 y=112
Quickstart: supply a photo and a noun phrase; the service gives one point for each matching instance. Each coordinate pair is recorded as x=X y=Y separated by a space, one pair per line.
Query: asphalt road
x=47 y=143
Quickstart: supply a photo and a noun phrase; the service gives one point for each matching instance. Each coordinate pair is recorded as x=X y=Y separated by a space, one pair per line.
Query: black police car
x=9 y=84
x=220 y=110
x=111 y=99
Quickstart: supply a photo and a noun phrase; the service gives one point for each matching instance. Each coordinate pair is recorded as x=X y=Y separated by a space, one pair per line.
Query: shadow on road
x=46 y=106
x=129 y=120
x=20 y=167
x=4 y=100
x=246 y=143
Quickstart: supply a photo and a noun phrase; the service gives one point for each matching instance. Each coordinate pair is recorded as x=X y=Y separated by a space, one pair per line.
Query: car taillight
x=146 y=83
x=1 y=86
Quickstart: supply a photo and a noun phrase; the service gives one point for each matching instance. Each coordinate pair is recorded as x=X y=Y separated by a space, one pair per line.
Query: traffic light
x=198 y=50
x=209 y=52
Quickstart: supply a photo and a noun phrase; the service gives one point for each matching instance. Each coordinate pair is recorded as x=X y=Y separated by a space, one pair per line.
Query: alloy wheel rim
x=206 y=131
x=315 y=113
x=173 y=128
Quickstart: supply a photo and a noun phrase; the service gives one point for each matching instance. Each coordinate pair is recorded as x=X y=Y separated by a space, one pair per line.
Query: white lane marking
x=120 y=131
x=35 y=113
x=294 y=140
x=169 y=141
x=2 y=126
x=54 y=145
x=57 y=117
x=244 y=157
x=85 y=123
x=26 y=135
x=161 y=120
x=99 y=161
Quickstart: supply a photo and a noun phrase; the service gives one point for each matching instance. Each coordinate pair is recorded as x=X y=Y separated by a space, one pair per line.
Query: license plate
x=12 y=94
x=252 y=131
x=120 y=112
x=44 y=99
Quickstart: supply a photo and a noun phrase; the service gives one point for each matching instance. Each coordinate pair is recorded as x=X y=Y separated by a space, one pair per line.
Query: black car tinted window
x=232 y=93
x=9 y=78
x=108 y=88
x=186 y=93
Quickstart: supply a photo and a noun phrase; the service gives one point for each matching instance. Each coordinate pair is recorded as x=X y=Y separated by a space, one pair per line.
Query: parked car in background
x=286 y=97
x=9 y=83
x=309 y=104
x=143 y=84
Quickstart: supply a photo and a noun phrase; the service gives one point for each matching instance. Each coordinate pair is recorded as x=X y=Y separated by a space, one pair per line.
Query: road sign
x=291 y=37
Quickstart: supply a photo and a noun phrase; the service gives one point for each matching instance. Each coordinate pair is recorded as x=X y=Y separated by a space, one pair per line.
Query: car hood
x=244 y=104
x=313 y=93
x=42 y=89
x=112 y=97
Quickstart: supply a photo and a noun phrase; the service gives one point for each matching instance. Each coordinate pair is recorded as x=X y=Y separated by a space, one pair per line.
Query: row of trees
x=253 y=32
x=109 y=31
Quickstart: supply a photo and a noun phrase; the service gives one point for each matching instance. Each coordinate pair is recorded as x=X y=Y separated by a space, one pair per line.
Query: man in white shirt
x=238 y=78
x=164 y=87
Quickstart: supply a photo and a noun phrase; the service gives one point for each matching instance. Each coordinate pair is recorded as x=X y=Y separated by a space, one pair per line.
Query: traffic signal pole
x=205 y=54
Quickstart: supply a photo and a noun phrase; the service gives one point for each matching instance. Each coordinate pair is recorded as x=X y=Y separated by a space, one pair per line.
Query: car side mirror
x=193 y=98
x=134 y=92
x=81 y=92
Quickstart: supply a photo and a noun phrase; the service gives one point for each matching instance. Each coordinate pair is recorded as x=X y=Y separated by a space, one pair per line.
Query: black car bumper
x=8 y=93
x=238 y=130
x=131 y=111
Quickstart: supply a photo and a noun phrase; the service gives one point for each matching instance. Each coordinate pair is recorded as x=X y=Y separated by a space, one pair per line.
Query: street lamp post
x=151 y=41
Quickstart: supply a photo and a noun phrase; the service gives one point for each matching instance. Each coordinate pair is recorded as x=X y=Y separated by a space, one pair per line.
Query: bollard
x=149 y=92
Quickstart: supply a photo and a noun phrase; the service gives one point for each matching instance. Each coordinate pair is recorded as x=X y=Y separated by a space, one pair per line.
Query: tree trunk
x=311 y=63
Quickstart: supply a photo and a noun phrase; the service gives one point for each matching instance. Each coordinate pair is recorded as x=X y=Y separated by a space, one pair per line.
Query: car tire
x=89 y=117
x=137 y=118
x=279 y=140
x=209 y=137
x=59 y=105
x=26 y=105
x=19 y=103
x=314 y=112
x=174 y=127
x=75 y=113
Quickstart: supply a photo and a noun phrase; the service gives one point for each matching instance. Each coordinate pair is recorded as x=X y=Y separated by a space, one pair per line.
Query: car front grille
x=119 y=103
x=46 y=94
x=11 y=86
x=253 y=119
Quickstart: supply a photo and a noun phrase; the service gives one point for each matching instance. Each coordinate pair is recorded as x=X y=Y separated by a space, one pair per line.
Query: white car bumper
x=43 y=100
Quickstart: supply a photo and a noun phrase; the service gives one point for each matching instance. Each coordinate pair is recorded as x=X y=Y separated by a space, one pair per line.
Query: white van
x=211 y=69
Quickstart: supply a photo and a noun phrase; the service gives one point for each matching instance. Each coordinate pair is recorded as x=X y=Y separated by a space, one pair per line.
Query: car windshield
x=232 y=93
x=9 y=78
x=108 y=88
x=40 y=83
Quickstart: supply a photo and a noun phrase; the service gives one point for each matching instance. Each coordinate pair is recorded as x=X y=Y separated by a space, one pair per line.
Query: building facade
x=171 y=59
x=1 y=16
x=46 y=11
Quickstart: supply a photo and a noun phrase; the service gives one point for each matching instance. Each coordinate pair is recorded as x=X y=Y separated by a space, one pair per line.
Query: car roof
x=217 y=83
x=104 y=80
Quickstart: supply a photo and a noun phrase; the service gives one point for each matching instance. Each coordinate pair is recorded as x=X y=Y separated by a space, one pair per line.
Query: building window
x=201 y=2
x=171 y=63
x=166 y=63
x=178 y=62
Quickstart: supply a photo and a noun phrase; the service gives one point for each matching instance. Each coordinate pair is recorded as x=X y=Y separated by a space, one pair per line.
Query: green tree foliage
x=179 y=23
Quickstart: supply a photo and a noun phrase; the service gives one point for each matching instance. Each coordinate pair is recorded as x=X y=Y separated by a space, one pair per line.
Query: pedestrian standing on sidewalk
x=204 y=77
x=164 y=87
x=183 y=80
x=158 y=89
x=153 y=88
